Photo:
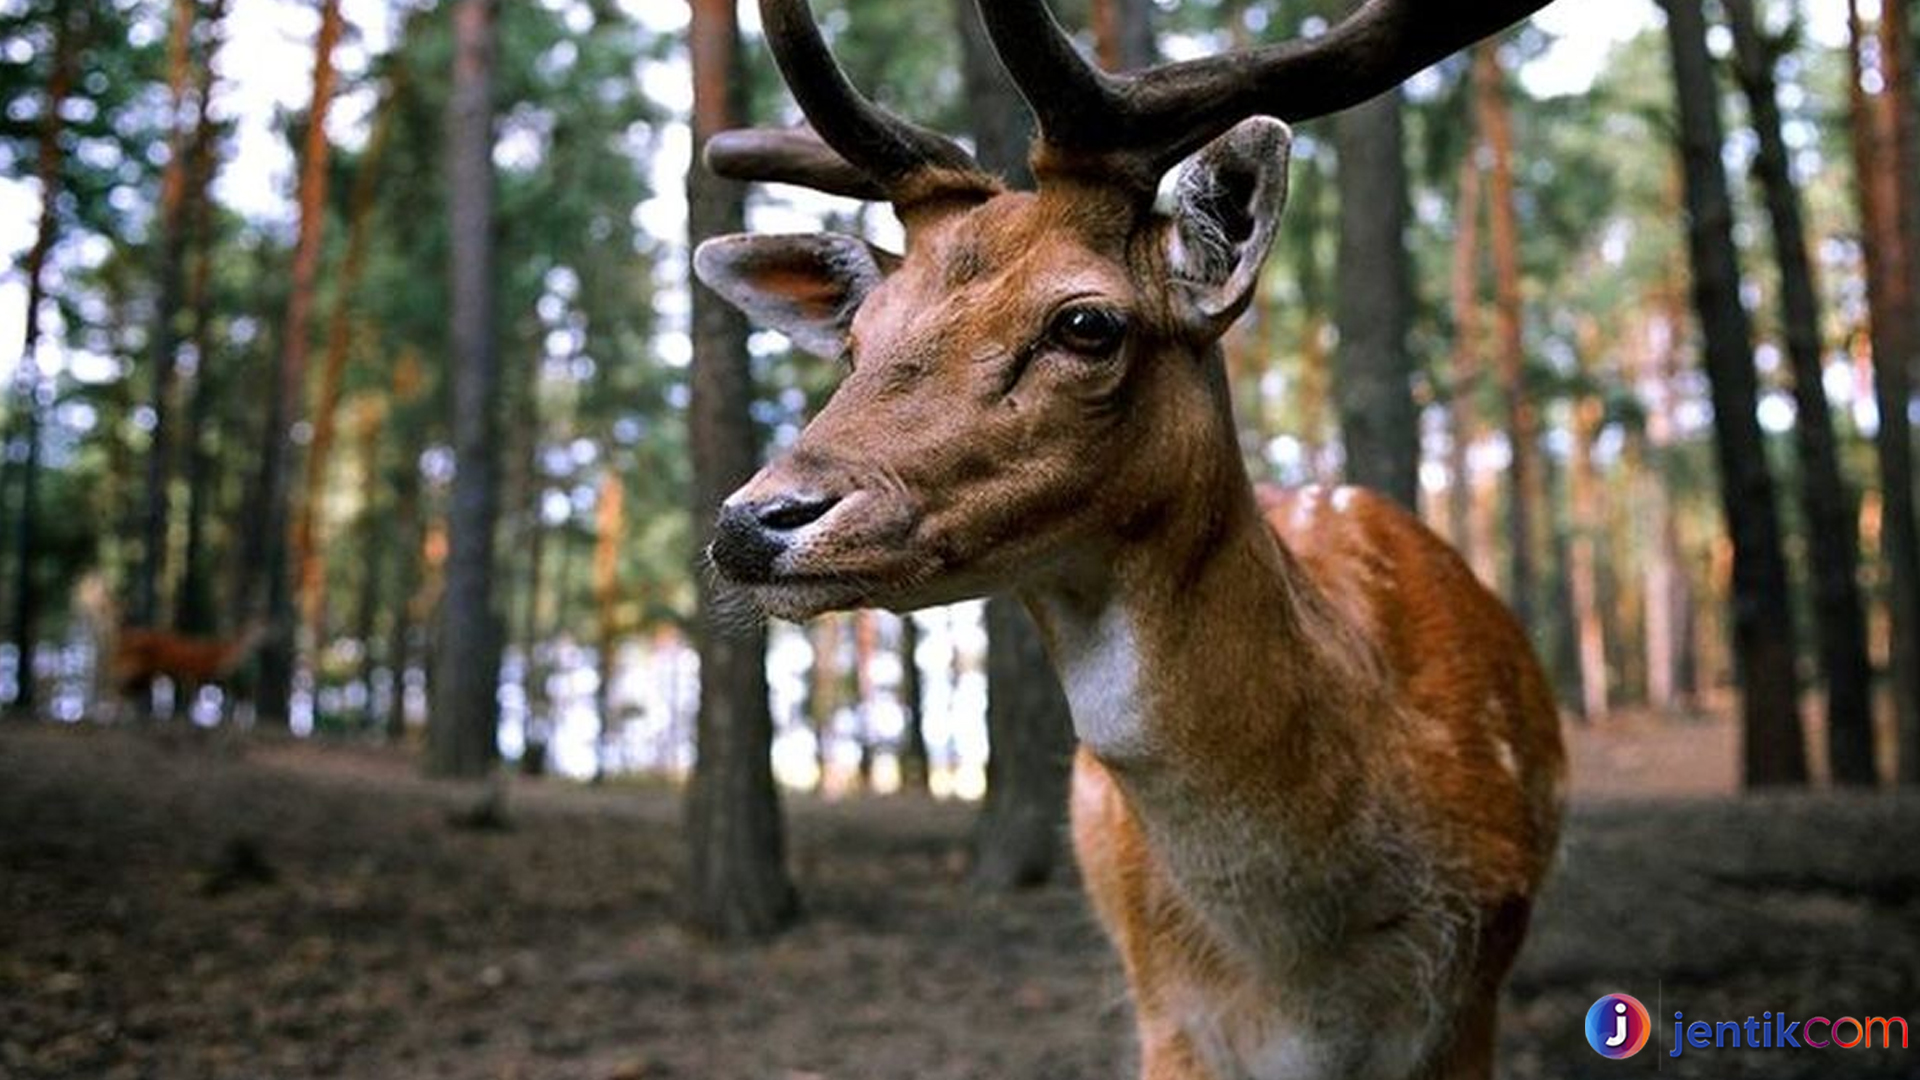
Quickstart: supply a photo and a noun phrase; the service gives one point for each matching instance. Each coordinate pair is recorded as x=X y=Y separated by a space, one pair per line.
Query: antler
x=1145 y=122
x=854 y=147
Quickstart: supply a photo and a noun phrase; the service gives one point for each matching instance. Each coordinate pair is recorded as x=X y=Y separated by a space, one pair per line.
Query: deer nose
x=785 y=513
x=748 y=537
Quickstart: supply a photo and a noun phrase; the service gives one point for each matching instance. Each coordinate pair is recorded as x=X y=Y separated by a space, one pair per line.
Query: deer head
x=1037 y=379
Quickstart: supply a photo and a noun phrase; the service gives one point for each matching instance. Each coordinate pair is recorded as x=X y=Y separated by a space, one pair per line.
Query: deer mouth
x=796 y=559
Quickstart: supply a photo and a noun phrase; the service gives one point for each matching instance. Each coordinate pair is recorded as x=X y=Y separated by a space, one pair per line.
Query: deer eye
x=1090 y=331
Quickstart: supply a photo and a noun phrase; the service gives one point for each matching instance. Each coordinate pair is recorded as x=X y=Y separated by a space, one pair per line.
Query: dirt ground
x=200 y=908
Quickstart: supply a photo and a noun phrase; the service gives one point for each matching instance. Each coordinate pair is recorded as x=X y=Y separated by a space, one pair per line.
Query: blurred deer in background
x=1320 y=773
x=139 y=655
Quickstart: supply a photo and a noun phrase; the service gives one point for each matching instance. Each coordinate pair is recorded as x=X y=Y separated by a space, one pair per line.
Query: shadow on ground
x=184 y=908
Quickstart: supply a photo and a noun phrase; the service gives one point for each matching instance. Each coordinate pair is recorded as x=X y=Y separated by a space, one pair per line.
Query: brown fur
x=140 y=655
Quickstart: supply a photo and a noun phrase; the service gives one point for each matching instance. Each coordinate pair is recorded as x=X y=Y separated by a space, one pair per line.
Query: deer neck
x=1212 y=677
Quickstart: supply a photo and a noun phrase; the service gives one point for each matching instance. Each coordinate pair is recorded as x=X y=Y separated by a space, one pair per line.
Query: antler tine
x=865 y=140
x=789 y=155
x=1151 y=119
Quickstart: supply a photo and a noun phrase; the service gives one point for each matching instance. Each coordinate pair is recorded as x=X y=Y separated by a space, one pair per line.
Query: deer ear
x=807 y=286
x=1227 y=204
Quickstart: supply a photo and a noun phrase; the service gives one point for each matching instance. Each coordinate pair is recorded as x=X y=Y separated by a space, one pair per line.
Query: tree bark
x=310 y=567
x=1583 y=545
x=1526 y=480
x=463 y=725
x=609 y=537
x=737 y=884
x=823 y=692
x=1016 y=839
x=1764 y=656
x=1123 y=34
x=1373 y=307
x=1891 y=317
x=265 y=547
x=163 y=335
x=374 y=549
x=193 y=602
x=67 y=31
x=1465 y=368
x=1017 y=836
x=915 y=768
x=1826 y=501
x=1902 y=127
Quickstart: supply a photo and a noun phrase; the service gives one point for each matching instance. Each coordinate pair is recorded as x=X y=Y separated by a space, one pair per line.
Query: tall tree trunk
x=69 y=27
x=1016 y=840
x=536 y=736
x=406 y=597
x=1526 y=487
x=309 y=565
x=915 y=769
x=1123 y=34
x=463 y=725
x=1775 y=750
x=865 y=645
x=1664 y=577
x=163 y=335
x=823 y=693
x=1901 y=124
x=609 y=538
x=265 y=547
x=193 y=602
x=737 y=884
x=1826 y=501
x=1892 y=313
x=1465 y=368
x=374 y=552
x=1583 y=545
x=1373 y=307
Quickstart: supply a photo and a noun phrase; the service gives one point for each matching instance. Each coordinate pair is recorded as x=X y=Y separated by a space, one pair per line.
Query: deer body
x=1316 y=840
x=1320 y=770
x=140 y=655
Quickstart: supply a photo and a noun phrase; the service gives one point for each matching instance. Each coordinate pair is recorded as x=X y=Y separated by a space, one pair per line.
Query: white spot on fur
x=1343 y=498
x=1100 y=671
x=1503 y=752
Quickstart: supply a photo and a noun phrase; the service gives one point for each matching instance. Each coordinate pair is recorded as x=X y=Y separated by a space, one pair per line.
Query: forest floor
x=184 y=907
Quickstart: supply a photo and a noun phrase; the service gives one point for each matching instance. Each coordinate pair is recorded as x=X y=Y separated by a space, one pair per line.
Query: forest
x=371 y=705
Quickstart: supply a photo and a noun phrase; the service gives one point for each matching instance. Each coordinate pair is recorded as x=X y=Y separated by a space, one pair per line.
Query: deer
x=1319 y=775
x=140 y=654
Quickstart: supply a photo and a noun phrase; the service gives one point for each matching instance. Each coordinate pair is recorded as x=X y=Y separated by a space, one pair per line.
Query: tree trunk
x=737 y=884
x=266 y=545
x=823 y=693
x=68 y=29
x=1895 y=338
x=1583 y=556
x=609 y=537
x=1901 y=127
x=309 y=565
x=1826 y=501
x=463 y=723
x=535 y=734
x=374 y=550
x=193 y=603
x=1373 y=307
x=1016 y=839
x=1764 y=657
x=1466 y=348
x=163 y=335
x=1525 y=501
x=915 y=769
x=1123 y=34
